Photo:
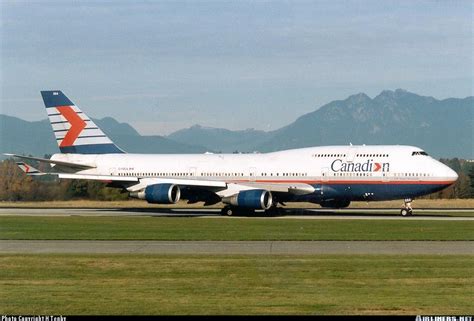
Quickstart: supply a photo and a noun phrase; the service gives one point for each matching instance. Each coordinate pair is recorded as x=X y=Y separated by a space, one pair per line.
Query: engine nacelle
x=335 y=203
x=254 y=199
x=159 y=194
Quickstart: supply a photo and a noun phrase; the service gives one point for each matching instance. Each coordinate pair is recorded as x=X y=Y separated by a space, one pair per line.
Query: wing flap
x=293 y=188
x=208 y=184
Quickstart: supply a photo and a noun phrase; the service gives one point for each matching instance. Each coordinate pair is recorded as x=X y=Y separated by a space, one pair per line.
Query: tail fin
x=74 y=131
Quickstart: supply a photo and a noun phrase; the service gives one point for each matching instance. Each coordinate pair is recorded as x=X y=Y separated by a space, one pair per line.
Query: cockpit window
x=419 y=153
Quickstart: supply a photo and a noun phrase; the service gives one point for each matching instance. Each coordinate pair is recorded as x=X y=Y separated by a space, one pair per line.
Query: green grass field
x=224 y=284
x=134 y=284
x=239 y=229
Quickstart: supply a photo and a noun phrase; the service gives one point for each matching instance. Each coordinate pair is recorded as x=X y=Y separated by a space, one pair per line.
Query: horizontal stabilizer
x=29 y=170
x=50 y=161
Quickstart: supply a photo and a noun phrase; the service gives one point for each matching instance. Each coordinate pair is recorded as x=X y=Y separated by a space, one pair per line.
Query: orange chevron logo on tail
x=77 y=125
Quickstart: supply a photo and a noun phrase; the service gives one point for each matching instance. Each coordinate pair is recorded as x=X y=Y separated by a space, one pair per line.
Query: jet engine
x=253 y=199
x=159 y=194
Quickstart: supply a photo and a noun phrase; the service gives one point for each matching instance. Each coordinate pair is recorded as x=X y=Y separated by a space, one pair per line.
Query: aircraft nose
x=450 y=174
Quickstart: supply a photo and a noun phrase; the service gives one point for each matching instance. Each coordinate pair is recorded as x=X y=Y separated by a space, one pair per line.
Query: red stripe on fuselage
x=359 y=182
x=77 y=125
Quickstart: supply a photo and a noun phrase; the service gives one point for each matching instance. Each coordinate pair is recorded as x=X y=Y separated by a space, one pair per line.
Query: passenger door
x=192 y=172
x=252 y=173
x=351 y=153
x=324 y=174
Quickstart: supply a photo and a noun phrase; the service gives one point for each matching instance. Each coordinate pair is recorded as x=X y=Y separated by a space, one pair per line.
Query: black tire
x=227 y=211
x=405 y=212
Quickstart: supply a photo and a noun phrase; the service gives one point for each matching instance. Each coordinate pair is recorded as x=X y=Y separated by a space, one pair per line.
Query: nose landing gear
x=406 y=209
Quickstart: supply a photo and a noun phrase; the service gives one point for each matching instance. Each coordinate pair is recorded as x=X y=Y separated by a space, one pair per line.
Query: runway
x=311 y=214
x=238 y=247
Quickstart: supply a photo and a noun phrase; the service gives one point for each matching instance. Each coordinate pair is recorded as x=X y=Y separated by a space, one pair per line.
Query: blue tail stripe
x=54 y=98
x=92 y=149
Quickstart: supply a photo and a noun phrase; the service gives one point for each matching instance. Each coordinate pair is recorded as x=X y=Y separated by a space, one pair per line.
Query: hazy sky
x=162 y=66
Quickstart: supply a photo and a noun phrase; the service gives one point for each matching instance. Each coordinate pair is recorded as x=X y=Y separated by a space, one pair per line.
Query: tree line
x=16 y=186
x=464 y=186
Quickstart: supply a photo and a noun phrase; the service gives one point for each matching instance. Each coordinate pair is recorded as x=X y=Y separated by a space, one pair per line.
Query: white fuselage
x=359 y=172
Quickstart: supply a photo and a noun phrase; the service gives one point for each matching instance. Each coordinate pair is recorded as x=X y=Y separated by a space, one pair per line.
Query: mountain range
x=444 y=128
x=36 y=138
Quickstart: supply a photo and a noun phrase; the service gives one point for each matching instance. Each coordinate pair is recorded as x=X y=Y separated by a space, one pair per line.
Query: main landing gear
x=234 y=210
x=228 y=211
x=406 y=209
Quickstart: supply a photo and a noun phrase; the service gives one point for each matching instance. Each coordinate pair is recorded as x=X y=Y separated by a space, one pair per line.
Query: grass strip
x=148 y=285
x=239 y=229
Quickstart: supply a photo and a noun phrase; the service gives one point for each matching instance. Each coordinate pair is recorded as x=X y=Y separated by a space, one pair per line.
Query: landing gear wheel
x=406 y=209
x=227 y=211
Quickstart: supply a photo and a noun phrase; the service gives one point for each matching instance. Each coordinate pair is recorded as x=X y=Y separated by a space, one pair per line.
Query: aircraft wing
x=230 y=188
x=142 y=183
x=210 y=185
x=103 y=178
x=225 y=188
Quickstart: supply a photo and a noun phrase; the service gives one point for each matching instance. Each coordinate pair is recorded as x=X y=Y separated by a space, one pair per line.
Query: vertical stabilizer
x=75 y=132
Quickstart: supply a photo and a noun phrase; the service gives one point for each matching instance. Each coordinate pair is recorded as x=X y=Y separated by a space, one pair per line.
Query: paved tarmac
x=313 y=214
x=238 y=247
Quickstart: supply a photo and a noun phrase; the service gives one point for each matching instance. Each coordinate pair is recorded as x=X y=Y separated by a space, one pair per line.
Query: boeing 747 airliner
x=331 y=176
